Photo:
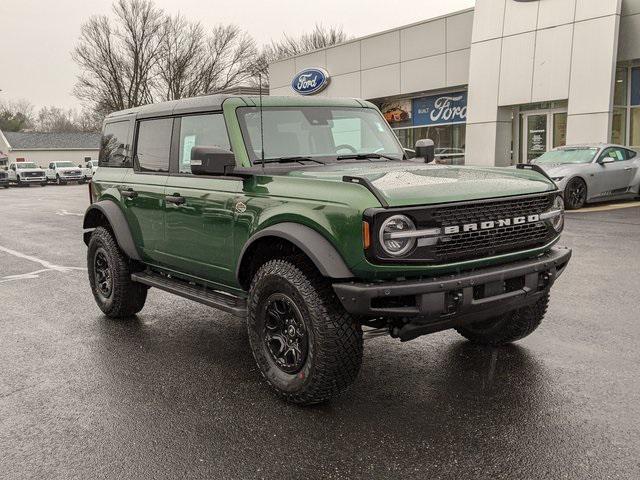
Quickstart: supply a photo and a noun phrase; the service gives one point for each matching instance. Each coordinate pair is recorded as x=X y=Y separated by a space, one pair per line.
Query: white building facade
x=497 y=84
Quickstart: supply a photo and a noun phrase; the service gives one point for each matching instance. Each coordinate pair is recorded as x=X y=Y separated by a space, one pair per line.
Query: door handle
x=176 y=199
x=628 y=168
x=129 y=193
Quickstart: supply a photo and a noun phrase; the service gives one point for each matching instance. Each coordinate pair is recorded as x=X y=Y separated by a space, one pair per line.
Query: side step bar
x=227 y=303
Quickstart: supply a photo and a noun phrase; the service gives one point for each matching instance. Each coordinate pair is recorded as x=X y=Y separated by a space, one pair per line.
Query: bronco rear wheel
x=306 y=346
x=110 y=277
x=507 y=328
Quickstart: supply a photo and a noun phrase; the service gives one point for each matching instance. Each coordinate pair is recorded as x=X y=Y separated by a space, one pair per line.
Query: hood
x=562 y=169
x=407 y=183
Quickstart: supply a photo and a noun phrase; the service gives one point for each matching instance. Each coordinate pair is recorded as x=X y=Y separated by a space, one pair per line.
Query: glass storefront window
x=559 y=129
x=634 y=137
x=635 y=86
x=449 y=140
x=619 y=126
x=620 y=92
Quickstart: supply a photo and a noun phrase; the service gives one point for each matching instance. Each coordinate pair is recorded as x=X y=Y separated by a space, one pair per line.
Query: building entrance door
x=542 y=131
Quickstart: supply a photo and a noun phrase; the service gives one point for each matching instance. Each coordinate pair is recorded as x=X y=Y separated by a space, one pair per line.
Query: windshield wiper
x=366 y=156
x=297 y=158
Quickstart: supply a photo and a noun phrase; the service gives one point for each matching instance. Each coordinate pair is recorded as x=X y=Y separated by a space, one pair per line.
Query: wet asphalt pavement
x=175 y=393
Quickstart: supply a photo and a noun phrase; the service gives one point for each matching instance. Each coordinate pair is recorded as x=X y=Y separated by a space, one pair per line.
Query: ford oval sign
x=310 y=81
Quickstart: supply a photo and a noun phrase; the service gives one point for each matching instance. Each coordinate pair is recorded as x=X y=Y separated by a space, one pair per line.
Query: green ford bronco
x=308 y=219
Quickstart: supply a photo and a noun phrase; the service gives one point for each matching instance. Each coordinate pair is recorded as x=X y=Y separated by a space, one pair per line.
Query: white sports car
x=593 y=172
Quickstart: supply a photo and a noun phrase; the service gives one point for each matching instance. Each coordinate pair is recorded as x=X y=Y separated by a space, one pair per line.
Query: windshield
x=64 y=164
x=317 y=132
x=568 y=155
x=25 y=165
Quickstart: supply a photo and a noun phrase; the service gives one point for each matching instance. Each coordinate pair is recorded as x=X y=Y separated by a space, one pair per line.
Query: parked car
x=26 y=173
x=315 y=248
x=4 y=178
x=593 y=172
x=64 y=172
x=89 y=169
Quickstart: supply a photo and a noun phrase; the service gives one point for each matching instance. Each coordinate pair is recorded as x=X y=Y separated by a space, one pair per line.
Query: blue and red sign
x=440 y=109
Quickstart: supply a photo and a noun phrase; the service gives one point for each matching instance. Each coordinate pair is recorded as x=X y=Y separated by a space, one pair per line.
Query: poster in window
x=397 y=113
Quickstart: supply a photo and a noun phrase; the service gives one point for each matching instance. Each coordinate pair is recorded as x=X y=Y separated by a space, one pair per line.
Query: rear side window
x=114 y=150
x=200 y=131
x=153 y=145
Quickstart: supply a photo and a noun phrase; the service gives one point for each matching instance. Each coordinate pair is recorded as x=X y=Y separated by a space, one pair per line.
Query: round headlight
x=392 y=235
x=558 y=221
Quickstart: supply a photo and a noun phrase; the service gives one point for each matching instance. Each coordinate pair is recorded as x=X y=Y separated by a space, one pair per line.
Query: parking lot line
x=44 y=263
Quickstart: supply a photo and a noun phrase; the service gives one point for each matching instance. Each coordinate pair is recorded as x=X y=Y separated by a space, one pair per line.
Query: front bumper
x=455 y=300
x=33 y=179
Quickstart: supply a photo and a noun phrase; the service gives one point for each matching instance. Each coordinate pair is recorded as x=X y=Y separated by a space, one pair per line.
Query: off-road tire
x=508 y=327
x=19 y=182
x=126 y=297
x=59 y=181
x=43 y=184
x=334 y=338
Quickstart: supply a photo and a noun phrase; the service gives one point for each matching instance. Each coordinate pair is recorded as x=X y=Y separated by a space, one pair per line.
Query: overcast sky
x=37 y=36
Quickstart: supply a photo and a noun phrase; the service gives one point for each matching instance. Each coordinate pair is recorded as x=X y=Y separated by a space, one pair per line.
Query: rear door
x=142 y=189
x=200 y=209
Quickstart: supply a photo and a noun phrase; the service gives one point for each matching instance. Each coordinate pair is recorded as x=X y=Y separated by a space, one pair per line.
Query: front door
x=543 y=131
x=200 y=210
x=614 y=178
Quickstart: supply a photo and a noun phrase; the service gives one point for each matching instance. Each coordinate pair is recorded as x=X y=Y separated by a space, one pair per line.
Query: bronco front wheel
x=306 y=346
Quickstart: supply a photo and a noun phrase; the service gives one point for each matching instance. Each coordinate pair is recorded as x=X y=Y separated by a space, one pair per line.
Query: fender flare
x=111 y=211
x=319 y=250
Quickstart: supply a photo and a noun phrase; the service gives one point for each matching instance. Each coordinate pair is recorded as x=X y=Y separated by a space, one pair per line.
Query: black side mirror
x=212 y=161
x=425 y=149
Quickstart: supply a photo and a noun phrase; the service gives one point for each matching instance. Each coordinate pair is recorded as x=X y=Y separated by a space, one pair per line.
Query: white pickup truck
x=89 y=169
x=64 y=172
x=26 y=173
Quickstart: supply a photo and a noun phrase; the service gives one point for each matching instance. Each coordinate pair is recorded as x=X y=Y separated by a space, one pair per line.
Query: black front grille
x=478 y=241
x=492 y=241
x=487 y=211
x=32 y=174
x=514 y=237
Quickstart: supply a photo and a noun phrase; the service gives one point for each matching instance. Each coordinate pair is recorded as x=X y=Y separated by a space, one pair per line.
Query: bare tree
x=55 y=119
x=118 y=58
x=319 y=37
x=194 y=63
x=16 y=116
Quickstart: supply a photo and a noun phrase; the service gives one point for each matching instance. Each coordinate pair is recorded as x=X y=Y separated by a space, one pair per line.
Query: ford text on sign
x=440 y=109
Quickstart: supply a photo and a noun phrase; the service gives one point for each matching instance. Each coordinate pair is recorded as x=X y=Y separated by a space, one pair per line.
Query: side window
x=153 y=145
x=52 y=166
x=631 y=154
x=202 y=131
x=114 y=151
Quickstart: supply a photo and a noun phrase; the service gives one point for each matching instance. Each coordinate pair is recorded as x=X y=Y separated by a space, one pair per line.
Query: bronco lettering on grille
x=488 y=225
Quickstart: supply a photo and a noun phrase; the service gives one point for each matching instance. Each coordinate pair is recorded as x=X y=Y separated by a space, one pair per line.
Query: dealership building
x=497 y=84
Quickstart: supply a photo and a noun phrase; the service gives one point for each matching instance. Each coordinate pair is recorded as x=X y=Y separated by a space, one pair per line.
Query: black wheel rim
x=577 y=194
x=285 y=333
x=102 y=273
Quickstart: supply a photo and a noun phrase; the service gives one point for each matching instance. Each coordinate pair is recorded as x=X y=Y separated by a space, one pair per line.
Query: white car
x=89 y=169
x=64 y=172
x=26 y=173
